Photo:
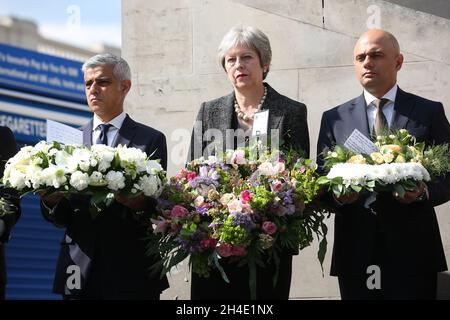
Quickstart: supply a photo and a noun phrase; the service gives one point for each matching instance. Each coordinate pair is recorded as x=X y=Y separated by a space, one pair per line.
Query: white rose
x=96 y=179
x=265 y=169
x=116 y=180
x=79 y=180
x=388 y=157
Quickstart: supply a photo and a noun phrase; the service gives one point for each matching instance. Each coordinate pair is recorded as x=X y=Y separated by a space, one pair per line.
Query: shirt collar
x=390 y=95
x=116 y=122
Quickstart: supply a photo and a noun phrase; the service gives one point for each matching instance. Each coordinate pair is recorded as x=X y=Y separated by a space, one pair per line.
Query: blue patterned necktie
x=103 y=137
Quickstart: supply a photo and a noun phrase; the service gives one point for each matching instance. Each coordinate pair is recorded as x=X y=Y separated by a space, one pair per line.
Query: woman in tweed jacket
x=226 y=123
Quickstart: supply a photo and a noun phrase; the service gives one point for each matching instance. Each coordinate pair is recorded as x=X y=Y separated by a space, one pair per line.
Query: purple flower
x=203 y=171
x=203 y=180
x=287 y=199
x=202 y=210
x=243 y=220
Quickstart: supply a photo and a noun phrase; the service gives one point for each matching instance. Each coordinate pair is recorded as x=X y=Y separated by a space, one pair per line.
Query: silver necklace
x=242 y=115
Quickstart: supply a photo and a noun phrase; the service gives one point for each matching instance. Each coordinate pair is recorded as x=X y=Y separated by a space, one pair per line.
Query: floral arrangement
x=241 y=208
x=99 y=171
x=399 y=165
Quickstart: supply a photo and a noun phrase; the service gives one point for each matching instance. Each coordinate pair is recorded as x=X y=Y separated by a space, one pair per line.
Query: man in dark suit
x=9 y=202
x=395 y=239
x=108 y=251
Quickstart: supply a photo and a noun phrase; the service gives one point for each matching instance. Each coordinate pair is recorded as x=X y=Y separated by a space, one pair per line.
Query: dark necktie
x=103 y=137
x=380 y=125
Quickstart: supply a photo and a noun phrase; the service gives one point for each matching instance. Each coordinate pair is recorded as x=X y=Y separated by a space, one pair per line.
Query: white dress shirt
x=113 y=130
x=388 y=108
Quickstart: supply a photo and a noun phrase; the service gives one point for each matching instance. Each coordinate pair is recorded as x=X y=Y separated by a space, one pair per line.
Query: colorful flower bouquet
x=399 y=165
x=238 y=208
x=99 y=171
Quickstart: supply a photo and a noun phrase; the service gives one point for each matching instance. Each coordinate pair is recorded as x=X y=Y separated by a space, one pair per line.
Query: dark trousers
x=215 y=288
x=2 y=292
x=394 y=284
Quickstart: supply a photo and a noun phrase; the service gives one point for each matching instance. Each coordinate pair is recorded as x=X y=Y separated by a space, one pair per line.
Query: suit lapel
x=358 y=114
x=87 y=133
x=126 y=132
x=272 y=104
x=404 y=104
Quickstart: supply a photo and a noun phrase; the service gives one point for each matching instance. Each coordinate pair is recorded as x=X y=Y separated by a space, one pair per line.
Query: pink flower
x=181 y=174
x=269 y=227
x=179 y=212
x=224 y=250
x=208 y=243
x=277 y=185
x=191 y=176
x=246 y=196
x=238 y=251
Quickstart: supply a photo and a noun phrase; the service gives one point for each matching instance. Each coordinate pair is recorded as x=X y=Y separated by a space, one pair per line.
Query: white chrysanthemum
x=150 y=185
x=17 y=179
x=79 y=180
x=116 y=180
x=388 y=172
x=34 y=176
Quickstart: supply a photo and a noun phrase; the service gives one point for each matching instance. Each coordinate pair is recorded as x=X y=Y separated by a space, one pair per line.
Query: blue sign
x=26 y=129
x=42 y=74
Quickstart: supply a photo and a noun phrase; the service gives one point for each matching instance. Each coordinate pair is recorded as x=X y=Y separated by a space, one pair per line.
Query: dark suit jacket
x=410 y=232
x=113 y=242
x=8 y=149
x=287 y=115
